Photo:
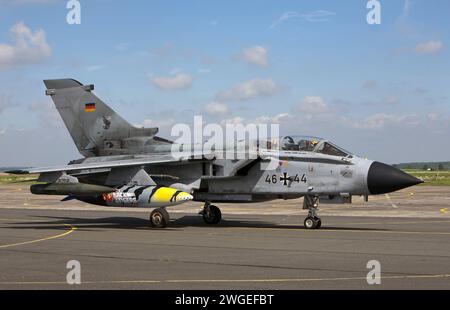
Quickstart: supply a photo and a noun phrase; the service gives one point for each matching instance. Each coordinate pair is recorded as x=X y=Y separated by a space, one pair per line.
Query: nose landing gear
x=311 y=203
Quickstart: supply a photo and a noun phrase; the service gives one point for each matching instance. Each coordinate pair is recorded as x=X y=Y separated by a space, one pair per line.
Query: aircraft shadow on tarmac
x=90 y=224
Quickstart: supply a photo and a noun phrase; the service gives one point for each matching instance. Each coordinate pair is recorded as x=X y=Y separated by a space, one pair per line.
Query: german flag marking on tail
x=89 y=107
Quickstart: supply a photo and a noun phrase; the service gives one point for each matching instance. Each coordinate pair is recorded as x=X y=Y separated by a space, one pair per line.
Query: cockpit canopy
x=311 y=144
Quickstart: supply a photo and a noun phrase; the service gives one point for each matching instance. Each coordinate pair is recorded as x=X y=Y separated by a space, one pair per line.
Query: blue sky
x=381 y=91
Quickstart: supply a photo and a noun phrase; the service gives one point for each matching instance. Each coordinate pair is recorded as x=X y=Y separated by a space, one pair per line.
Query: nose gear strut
x=311 y=203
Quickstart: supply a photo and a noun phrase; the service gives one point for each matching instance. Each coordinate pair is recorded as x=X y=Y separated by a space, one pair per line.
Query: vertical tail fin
x=95 y=128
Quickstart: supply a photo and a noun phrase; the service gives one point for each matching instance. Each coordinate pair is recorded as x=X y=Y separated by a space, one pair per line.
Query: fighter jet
x=126 y=166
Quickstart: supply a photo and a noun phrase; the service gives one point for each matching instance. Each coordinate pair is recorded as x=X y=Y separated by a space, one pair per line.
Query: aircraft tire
x=313 y=223
x=159 y=218
x=319 y=223
x=213 y=216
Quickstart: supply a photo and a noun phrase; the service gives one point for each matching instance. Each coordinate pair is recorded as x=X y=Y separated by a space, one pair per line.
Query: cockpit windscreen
x=312 y=144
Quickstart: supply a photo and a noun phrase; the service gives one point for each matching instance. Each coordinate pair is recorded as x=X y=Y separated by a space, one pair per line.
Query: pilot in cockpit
x=307 y=145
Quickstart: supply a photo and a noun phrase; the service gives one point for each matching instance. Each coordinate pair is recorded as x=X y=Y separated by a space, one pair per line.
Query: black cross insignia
x=285 y=178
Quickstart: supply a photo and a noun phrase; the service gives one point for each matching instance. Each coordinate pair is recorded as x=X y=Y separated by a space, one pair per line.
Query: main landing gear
x=159 y=218
x=211 y=214
x=311 y=203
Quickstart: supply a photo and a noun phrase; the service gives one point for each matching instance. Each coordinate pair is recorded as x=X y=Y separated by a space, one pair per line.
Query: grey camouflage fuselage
x=118 y=155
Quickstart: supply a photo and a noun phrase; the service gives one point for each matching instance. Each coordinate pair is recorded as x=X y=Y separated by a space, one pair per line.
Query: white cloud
x=332 y=120
x=179 y=81
x=396 y=132
x=315 y=16
x=314 y=111
x=29 y=47
x=381 y=120
x=318 y=16
x=250 y=90
x=284 y=17
x=233 y=121
x=277 y=119
x=217 y=109
x=430 y=47
x=313 y=105
x=255 y=55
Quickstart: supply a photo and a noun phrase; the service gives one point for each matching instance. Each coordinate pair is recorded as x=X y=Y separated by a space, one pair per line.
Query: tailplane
x=95 y=128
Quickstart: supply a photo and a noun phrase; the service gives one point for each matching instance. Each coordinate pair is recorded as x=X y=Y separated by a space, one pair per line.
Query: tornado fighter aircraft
x=126 y=166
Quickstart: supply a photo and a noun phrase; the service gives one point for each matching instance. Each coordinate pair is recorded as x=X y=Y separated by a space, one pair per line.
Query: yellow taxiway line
x=71 y=230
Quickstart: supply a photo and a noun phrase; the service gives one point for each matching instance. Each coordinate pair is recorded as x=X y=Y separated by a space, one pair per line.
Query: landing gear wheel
x=212 y=215
x=313 y=223
x=159 y=218
x=319 y=223
x=311 y=203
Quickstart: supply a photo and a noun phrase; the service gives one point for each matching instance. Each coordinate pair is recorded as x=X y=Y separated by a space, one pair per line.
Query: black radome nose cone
x=382 y=179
